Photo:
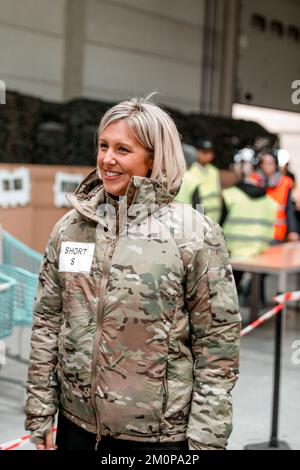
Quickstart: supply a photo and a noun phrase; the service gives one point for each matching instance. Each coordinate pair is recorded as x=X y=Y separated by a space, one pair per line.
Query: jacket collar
x=90 y=196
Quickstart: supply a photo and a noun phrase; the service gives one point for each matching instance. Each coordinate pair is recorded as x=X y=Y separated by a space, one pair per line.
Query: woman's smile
x=111 y=175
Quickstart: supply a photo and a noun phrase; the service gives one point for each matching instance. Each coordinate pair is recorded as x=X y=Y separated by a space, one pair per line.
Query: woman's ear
x=150 y=165
x=151 y=161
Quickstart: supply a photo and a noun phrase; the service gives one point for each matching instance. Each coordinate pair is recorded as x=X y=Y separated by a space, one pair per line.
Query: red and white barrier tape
x=288 y=297
x=281 y=300
x=262 y=319
x=12 y=445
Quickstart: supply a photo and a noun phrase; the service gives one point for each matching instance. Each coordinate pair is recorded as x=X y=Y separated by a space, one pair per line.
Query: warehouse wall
x=136 y=46
x=123 y=47
x=268 y=62
x=110 y=49
x=32 y=46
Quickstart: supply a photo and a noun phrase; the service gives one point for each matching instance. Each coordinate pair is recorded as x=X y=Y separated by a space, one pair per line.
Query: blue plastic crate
x=26 y=285
x=7 y=302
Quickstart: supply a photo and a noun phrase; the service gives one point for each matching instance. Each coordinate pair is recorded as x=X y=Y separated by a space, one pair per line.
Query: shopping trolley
x=16 y=253
x=7 y=300
x=8 y=287
x=26 y=284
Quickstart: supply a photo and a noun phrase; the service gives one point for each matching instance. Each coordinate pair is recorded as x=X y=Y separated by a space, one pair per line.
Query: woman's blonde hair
x=157 y=132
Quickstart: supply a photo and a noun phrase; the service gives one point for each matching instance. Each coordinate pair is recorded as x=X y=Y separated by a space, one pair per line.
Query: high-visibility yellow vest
x=249 y=225
x=202 y=185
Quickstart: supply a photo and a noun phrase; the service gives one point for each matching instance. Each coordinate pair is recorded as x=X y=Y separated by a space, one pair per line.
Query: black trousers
x=69 y=436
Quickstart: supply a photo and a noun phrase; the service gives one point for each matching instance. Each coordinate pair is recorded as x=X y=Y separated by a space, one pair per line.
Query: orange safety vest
x=280 y=194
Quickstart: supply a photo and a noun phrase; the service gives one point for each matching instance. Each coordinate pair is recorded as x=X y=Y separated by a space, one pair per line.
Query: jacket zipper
x=104 y=280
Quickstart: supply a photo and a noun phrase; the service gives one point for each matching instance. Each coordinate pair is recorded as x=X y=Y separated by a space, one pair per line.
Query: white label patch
x=76 y=257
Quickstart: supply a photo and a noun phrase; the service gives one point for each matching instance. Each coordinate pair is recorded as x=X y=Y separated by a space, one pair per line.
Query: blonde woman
x=136 y=328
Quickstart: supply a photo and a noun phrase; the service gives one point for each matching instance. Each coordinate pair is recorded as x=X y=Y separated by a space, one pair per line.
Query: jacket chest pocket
x=79 y=299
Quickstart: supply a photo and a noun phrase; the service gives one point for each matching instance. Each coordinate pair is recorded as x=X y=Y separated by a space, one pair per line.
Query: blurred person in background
x=296 y=201
x=201 y=183
x=283 y=162
x=279 y=187
x=190 y=154
x=248 y=213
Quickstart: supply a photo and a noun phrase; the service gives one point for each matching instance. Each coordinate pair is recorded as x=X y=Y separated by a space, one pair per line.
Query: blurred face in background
x=205 y=156
x=243 y=169
x=268 y=165
x=121 y=156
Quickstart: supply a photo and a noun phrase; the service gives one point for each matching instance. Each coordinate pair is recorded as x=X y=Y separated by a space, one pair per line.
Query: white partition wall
x=105 y=49
x=140 y=46
x=32 y=46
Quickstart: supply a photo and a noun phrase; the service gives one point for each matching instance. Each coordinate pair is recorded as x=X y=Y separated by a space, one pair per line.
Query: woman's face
x=121 y=156
x=268 y=165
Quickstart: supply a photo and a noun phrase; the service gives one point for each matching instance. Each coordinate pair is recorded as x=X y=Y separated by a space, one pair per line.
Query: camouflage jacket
x=136 y=323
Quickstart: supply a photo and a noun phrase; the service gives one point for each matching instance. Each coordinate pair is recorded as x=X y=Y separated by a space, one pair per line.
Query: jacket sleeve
x=42 y=387
x=212 y=302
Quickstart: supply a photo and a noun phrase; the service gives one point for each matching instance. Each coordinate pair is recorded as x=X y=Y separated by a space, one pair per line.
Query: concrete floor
x=252 y=396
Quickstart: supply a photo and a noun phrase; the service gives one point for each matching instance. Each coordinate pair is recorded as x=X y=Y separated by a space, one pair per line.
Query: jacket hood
x=252 y=190
x=140 y=190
